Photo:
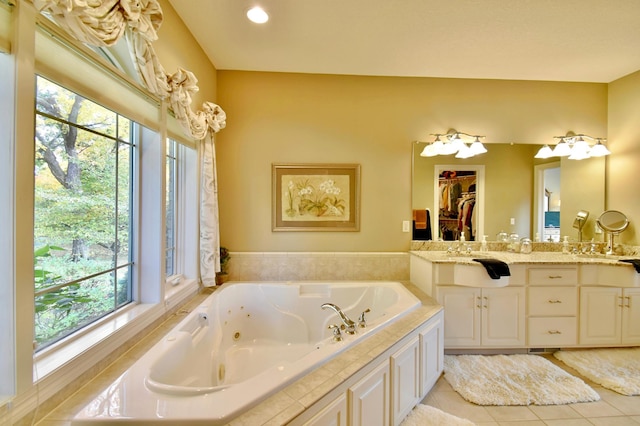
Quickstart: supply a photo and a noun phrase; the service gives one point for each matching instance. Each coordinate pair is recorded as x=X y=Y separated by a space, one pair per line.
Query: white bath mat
x=514 y=380
x=615 y=369
x=426 y=415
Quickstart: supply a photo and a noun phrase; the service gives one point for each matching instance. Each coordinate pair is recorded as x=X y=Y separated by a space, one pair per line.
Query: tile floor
x=613 y=409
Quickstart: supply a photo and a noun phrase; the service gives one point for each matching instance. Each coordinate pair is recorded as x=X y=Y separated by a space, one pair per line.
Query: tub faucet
x=348 y=324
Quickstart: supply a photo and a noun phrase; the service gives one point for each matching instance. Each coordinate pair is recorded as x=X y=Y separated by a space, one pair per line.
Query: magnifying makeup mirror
x=613 y=222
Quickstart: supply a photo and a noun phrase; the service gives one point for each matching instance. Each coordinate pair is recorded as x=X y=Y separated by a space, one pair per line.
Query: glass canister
x=514 y=243
x=526 y=246
x=502 y=237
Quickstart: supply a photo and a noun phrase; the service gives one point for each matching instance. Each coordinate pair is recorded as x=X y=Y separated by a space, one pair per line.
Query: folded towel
x=495 y=268
x=634 y=262
x=420 y=217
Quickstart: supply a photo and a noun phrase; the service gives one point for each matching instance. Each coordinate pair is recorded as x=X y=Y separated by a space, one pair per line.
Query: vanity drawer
x=553 y=301
x=553 y=332
x=553 y=276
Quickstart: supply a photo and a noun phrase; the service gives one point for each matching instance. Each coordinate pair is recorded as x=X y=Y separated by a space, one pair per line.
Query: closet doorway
x=546 y=203
x=459 y=202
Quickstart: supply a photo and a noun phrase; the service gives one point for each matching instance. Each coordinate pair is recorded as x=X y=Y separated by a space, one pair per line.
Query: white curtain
x=102 y=24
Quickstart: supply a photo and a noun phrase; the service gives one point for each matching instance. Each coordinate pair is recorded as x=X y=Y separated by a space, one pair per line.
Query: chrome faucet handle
x=362 y=322
x=337 y=335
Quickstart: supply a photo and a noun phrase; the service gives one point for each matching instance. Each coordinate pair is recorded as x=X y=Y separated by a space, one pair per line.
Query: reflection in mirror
x=458 y=197
x=509 y=190
x=546 y=203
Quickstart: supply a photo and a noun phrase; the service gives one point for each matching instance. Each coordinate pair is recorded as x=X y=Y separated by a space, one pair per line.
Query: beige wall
x=300 y=118
x=623 y=183
x=176 y=48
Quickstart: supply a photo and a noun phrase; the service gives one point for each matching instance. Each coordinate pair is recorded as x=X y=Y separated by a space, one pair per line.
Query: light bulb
x=464 y=152
x=477 y=147
x=599 y=150
x=562 y=149
x=544 y=152
x=429 y=151
x=258 y=15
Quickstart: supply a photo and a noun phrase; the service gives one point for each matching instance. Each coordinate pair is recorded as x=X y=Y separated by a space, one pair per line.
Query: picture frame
x=315 y=197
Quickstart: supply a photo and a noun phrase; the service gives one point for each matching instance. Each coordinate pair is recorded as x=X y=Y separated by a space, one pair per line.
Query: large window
x=84 y=159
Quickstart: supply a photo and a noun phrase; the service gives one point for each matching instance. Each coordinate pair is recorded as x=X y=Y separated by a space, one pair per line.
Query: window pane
x=123 y=286
x=75 y=205
x=62 y=312
x=59 y=102
x=124 y=129
x=170 y=208
x=82 y=213
x=125 y=189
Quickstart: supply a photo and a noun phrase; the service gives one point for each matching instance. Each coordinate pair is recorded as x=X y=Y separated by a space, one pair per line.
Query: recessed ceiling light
x=258 y=15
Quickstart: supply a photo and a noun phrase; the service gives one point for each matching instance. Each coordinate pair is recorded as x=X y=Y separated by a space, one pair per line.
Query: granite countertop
x=520 y=258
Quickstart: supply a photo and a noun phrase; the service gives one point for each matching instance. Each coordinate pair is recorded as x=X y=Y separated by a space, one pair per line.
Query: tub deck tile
x=321 y=390
x=308 y=383
x=277 y=405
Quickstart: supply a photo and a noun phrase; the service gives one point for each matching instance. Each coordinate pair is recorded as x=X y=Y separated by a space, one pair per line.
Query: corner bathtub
x=243 y=343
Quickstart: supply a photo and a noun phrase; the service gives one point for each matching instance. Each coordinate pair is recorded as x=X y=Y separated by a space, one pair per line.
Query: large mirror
x=514 y=190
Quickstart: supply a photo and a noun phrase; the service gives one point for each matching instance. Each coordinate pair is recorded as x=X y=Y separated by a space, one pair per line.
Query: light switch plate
x=406 y=226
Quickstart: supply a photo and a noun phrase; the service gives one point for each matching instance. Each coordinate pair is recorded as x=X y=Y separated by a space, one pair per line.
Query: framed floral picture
x=316 y=197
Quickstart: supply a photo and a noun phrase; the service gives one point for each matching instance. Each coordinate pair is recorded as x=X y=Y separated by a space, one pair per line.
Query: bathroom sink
x=475 y=275
x=611 y=275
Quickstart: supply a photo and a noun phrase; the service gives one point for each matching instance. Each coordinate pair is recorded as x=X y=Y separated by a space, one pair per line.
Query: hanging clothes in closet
x=457 y=202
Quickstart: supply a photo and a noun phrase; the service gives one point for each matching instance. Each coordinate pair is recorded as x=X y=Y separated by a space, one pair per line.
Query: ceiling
x=553 y=40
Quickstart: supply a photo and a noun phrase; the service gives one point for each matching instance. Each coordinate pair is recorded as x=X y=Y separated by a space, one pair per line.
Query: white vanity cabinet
x=609 y=316
x=386 y=390
x=431 y=353
x=334 y=414
x=552 y=304
x=405 y=374
x=487 y=317
x=369 y=398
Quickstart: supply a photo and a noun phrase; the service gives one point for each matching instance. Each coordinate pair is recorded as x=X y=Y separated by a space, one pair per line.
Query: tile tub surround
x=284 y=405
x=318 y=266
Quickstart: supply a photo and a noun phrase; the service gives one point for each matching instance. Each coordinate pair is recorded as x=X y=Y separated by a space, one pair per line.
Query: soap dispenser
x=483 y=244
x=565 y=245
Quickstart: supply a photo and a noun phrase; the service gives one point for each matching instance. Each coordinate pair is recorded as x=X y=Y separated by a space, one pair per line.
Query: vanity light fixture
x=575 y=147
x=453 y=142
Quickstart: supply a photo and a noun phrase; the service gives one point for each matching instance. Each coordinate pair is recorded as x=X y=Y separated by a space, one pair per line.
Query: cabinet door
x=431 y=354
x=631 y=316
x=405 y=368
x=600 y=315
x=369 y=398
x=462 y=306
x=334 y=414
x=503 y=316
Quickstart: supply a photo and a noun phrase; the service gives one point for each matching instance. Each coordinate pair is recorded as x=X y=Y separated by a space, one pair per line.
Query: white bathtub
x=245 y=342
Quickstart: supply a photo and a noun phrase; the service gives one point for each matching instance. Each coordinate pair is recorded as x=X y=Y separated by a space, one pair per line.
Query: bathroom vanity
x=550 y=300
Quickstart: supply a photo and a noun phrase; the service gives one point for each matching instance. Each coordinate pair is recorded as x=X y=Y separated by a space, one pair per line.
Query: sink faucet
x=349 y=325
